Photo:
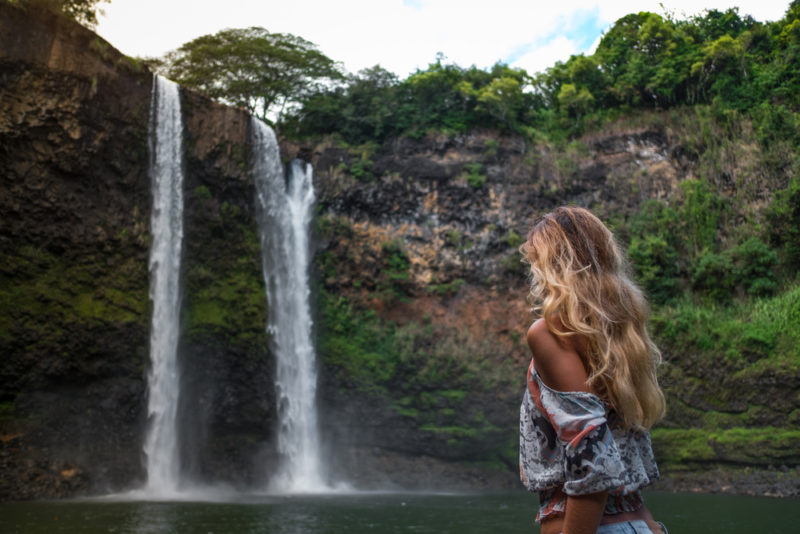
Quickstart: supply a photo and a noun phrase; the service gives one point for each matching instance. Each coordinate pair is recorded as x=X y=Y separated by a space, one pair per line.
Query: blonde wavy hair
x=581 y=279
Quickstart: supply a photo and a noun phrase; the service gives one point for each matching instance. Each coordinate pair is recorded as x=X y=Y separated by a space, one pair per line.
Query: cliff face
x=422 y=250
x=418 y=286
x=75 y=198
x=418 y=245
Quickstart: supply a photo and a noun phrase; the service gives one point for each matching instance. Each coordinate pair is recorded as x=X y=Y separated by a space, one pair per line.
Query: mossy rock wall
x=74 y=304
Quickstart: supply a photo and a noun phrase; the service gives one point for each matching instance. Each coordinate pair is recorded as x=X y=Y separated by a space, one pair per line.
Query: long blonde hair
x=581 y=277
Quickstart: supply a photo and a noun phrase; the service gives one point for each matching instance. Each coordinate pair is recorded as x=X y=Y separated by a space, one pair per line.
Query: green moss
x=131 y=64
x=453 y=431
x=512 y=239
x=406 y=411
x=475 y=176
x=678 y=446
x=512 y=264
x=42 y=291
x=361 y=169
x=202 y=192
x=225 y=291
x=208 y=313
x=454 y=396
x=6 y=409
x=491 y=147
x=326 y=264
x=454 y=237
x=721 y=420
x=101 y=47
x=765 y=445
x=395 y=271
x=109 y=305
x=446 y=290
x=356 y=342
x=329 y=226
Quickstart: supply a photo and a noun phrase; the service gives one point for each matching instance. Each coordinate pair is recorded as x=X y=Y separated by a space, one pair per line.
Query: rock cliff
x=418 y=241
x=75 y=199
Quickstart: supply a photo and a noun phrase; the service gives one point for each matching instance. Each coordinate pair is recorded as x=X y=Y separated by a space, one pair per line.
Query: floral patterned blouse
x=571 y=444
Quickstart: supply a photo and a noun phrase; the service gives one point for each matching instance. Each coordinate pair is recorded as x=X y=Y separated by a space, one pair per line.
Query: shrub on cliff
x=84 y=11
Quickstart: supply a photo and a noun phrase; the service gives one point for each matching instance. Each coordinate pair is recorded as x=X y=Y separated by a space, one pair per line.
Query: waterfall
x=284 y=212
x=166 y=222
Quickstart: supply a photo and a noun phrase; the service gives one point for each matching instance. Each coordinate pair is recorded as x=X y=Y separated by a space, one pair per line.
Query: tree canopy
x=252 y=68
x=374 y=104
x=644 y=61
x=84 y=11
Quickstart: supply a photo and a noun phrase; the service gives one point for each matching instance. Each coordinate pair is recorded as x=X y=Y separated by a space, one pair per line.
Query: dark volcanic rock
x=75 y=199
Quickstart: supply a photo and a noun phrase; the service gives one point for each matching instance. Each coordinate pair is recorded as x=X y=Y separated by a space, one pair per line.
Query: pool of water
x=463 y=513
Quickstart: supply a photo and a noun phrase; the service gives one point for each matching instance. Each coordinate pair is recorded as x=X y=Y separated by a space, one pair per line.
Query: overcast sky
x=402 y=35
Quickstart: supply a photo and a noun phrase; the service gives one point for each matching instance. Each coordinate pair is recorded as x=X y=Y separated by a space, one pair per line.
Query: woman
x=592 y=389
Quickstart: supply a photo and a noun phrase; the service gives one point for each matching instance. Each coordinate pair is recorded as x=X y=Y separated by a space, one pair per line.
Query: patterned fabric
x=571 y=445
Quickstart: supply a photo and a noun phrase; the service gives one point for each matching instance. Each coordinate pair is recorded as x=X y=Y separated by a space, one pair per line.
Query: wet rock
x=75 y=197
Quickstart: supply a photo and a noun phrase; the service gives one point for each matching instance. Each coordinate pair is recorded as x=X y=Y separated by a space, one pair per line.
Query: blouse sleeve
x=592 y=460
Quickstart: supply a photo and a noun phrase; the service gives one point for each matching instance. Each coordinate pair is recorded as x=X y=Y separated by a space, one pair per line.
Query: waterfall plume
x=284 y=208
x=166 y=221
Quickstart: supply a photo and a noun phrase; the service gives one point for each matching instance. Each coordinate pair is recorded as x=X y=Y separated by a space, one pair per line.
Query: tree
x=362 y=110
x=83 y=11
x=575 y=101
x=252 y=68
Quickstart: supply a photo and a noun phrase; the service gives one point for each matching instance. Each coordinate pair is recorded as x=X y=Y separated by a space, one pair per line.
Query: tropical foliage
x=252 y=68
x=84 y=11
x=644 y=61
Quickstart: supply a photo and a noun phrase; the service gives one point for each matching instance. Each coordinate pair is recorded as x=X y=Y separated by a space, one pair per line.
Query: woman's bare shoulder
x=556 y=361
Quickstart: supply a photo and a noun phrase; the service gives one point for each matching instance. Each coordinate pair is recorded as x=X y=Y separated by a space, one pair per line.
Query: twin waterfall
x=284 y=215
x=166 y=227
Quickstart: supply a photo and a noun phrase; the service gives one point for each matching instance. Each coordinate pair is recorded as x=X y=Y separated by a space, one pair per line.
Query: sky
x=403 y=35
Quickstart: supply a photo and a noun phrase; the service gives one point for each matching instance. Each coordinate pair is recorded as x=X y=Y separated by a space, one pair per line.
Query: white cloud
x=399 y=35
x=544 y=56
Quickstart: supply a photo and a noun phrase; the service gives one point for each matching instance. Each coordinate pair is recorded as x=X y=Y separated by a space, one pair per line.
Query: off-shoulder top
x=572 y=444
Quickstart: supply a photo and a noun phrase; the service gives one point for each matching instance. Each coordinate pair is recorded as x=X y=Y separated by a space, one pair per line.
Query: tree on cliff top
x=84 y=11
x=252 y=68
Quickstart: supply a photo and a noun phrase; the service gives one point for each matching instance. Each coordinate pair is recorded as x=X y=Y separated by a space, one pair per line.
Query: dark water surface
x=493 y=513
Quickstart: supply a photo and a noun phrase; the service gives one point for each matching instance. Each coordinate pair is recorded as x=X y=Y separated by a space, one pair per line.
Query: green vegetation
x=475 y=177
x=644 y=61
x=37 y=283
x=512 y=239
x=717 y=255
x=783 y=216
x=374 y=105
x=754 y=329
x=685 y=449
x=434 y=376
x=394 y=274
x=261 y=71
x=60 y=311
x=447 y=289
x=225 y=297
x=356 y=342
x=83 y=11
